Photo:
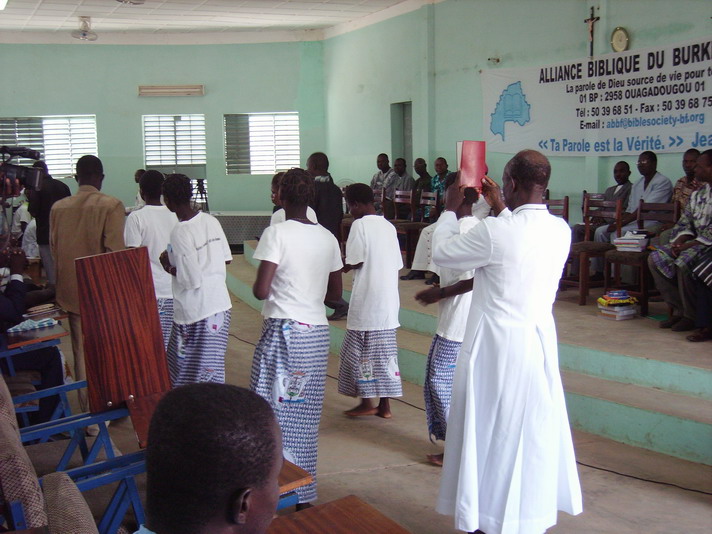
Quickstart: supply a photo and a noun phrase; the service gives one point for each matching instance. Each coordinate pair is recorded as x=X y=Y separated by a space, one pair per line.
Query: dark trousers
x=703 y=307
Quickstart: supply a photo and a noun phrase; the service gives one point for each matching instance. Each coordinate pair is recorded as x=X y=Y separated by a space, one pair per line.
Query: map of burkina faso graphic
x=511 y=107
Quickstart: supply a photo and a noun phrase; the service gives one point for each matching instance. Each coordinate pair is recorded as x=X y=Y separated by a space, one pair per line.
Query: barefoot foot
x=361 y=410
x=435 y=459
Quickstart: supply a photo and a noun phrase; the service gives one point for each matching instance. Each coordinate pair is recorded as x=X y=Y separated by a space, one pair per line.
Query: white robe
x=509 y=459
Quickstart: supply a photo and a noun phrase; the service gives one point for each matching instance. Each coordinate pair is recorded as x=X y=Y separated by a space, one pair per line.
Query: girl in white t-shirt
x=300 y=268
x=454 y=296
x=279 y=215
x=369 y=353
x=196 y=257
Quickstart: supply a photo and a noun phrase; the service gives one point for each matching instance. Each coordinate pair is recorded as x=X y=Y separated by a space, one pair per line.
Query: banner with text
x=657 y=99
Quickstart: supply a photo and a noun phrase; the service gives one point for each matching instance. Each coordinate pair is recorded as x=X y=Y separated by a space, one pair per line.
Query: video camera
x=17 y=175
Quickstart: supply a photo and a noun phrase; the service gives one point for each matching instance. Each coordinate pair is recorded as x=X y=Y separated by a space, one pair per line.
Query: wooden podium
x=123 y=345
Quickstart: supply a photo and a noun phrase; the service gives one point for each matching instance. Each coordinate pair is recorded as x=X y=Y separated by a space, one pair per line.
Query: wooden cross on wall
x=590 y=22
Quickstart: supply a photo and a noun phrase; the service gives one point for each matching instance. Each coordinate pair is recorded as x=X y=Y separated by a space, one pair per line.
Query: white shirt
x=151 y=227
x=21 y=215
x=279 y=216
x=374 y=300
x=198 y=249
x=481 y=209
x=452 y=318
x=305 y=255
x=29 y=240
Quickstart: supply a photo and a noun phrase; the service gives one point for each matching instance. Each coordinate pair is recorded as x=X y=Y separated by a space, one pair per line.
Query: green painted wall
x=435 y=56
x=343 y=87
x=103 y=80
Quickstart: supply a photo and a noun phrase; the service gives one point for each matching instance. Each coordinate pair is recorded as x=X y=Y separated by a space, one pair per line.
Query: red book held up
x=472 y=164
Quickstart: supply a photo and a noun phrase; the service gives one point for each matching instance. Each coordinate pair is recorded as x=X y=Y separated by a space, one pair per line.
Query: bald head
x=529 y=169
x=526 y=177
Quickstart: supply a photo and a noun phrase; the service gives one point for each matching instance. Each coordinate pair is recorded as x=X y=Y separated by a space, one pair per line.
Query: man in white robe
x=509 y=461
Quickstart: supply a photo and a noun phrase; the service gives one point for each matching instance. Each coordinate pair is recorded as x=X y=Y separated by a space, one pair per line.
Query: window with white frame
x=174 y=140
x=61 y=140
x=176 y=144
x=261 y=143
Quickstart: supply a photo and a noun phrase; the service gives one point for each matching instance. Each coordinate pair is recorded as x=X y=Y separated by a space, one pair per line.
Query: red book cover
x=472 y=164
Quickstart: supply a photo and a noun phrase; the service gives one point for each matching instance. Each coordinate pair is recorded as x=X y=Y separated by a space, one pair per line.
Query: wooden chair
x=665 y=213
x=411 y=229
x=587 y=249
x=591 y=196
x=403 y=198
x=558 y=207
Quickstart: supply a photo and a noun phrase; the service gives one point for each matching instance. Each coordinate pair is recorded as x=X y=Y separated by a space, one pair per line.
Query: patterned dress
x=437 y=390
x=289 y=371
x=196 y=351
x=369 y=364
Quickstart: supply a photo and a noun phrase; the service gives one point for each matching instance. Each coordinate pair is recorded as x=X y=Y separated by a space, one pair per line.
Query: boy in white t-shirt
x=196 y=257
x=454 y=296
x=369 y=353
x=151 y=227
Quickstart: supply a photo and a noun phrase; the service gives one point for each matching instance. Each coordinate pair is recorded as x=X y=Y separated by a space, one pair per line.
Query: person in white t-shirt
x=300 y=268
x=369 y=353
x=29 y=240
x=196 y=257
x=20 y=219
x=151 y=227
x=454 y=296
x=279 y=215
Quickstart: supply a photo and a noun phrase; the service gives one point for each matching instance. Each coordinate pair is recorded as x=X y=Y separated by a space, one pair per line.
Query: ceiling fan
x=84 y=32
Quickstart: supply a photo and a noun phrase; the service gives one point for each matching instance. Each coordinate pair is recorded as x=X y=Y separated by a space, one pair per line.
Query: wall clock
x=619 y=39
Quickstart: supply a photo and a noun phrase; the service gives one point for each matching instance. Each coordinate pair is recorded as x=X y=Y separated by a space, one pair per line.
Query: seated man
x=691 y=236
x=212 y=463
x=403 y=182
x=48 y=360
x=652 y=187
x=621 y=174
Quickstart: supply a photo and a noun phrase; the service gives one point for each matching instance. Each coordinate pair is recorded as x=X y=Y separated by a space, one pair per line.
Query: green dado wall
x=342 y=87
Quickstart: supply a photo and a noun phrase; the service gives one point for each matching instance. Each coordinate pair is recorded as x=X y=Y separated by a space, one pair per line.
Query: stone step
x=618 y=396
x=614 y=349
x=674 y=424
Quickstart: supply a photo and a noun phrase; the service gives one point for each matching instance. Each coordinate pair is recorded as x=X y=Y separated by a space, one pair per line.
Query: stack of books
x=617 y=305
x=631 y=242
